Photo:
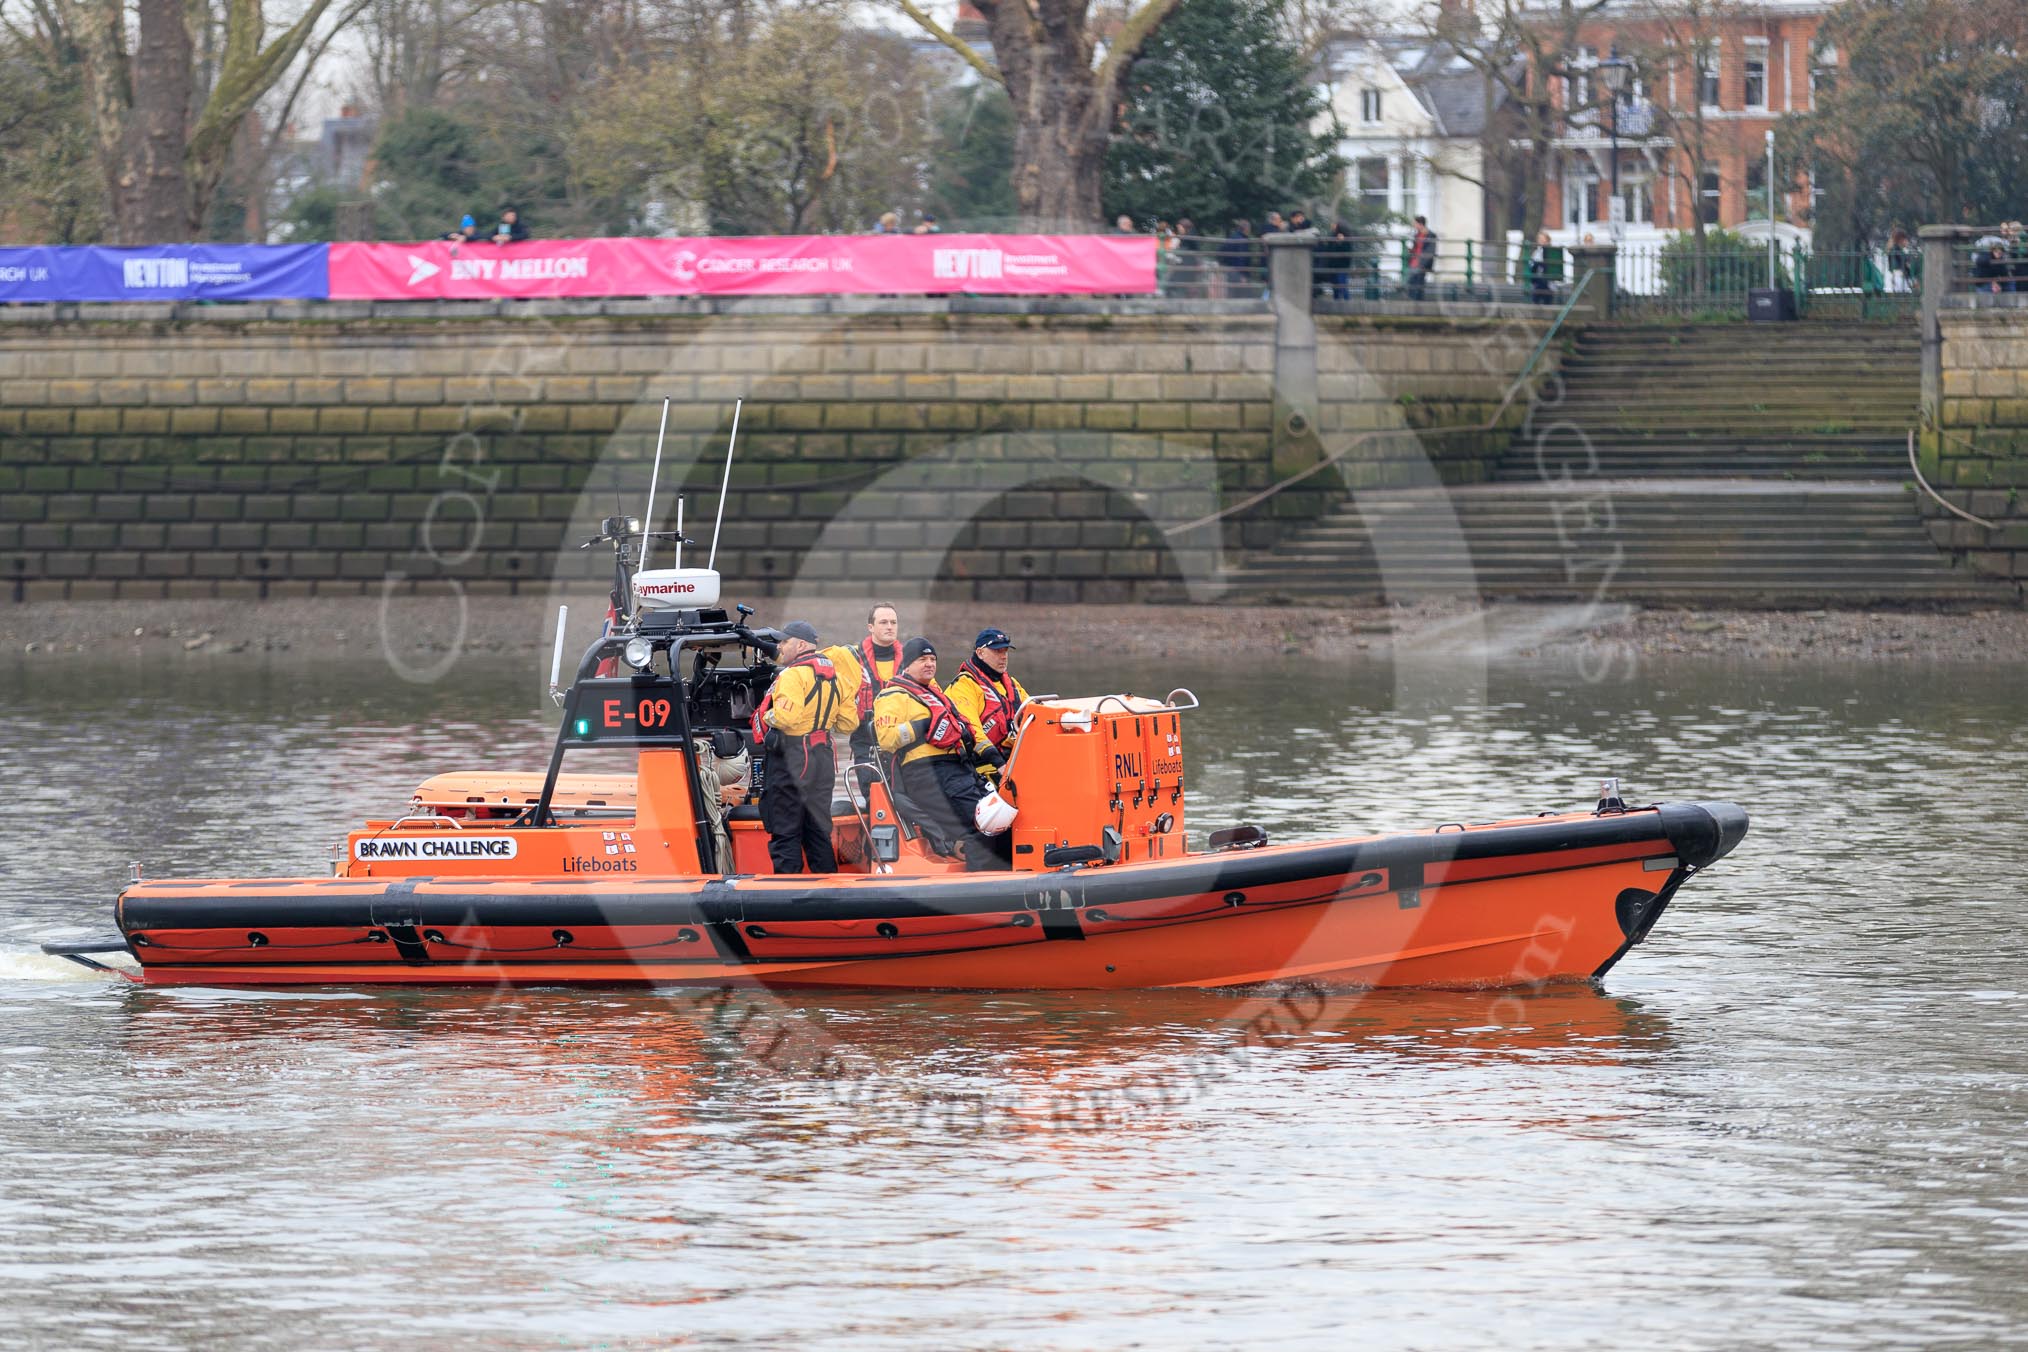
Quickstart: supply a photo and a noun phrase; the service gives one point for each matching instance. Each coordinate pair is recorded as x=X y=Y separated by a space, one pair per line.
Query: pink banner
x=785 y=265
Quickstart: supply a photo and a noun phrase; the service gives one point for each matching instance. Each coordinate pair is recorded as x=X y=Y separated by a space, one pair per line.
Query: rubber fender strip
x=158 y=945
x=1018 y=922
x=696 y=937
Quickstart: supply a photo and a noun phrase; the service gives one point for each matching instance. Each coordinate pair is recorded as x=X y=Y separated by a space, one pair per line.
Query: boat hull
x=1514 y=903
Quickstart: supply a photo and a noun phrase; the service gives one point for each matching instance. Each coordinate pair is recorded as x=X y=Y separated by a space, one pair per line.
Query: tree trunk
x=150 y=189
x=1058 y=170
x=1061 y=122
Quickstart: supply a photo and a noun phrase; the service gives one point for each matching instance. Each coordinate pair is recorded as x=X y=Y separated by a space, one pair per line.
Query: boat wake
x=30 y=964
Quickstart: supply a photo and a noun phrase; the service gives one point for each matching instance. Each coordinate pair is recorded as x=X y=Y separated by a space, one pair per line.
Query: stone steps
x=1745 y=464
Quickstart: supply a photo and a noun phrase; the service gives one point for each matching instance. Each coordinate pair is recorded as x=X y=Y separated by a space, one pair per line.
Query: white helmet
x=994 y=814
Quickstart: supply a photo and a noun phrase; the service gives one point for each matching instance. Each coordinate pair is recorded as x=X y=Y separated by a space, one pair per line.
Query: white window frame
x=1710 y=61
x=1638 y=187
x=1746 y=101
x=1370 y=106
x=1383 y=197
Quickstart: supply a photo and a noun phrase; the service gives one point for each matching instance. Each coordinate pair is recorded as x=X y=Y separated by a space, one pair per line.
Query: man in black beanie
x=916 y=723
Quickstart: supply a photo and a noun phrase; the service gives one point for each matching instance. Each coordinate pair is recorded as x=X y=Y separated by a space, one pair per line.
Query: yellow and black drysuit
x=928 y=738
x=813 y=699
x=877 y=666
x=989 y=703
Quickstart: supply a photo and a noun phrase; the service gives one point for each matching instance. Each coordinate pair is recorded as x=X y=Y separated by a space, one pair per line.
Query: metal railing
x=1994 y=262
x=1210 y=267
x=1488 y=271
x=1679 y=280
x=1370 y=267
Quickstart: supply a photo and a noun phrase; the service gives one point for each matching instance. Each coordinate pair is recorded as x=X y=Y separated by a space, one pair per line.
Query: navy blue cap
x=992 y=638
x=801 y=629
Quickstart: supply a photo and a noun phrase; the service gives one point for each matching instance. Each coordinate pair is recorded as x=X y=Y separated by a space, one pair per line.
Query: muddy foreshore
x=422 y=629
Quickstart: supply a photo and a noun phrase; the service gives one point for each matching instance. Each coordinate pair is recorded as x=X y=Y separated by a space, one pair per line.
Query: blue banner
x=167 y=272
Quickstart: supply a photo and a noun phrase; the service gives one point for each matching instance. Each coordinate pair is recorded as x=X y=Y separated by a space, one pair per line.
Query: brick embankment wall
x=1012 y=455
x=1976 y=454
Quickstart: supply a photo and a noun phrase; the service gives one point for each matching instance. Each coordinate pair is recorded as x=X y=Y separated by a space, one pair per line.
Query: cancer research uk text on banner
x=166 y=272
x=788 y=265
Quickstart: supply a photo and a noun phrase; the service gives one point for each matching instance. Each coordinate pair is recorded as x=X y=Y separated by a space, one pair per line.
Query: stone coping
x=319 y=311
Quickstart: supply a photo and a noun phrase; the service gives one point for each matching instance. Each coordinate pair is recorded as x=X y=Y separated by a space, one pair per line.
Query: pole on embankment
x=1291 y=289
x=1939 y=255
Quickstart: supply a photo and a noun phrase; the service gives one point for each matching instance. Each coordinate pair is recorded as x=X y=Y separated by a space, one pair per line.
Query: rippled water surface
x=1797 y=1116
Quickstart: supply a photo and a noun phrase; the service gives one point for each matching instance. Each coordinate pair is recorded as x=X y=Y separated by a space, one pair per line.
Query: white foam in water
x=218 y=995
x=31 y=964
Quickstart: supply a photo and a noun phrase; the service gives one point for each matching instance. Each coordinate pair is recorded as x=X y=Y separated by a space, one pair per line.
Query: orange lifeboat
x=614 y=879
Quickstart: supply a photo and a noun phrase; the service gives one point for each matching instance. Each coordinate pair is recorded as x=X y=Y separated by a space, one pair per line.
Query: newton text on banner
x=165 y=272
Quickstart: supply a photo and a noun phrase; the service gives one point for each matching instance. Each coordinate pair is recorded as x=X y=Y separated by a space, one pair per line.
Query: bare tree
x=1063 y=71
x=1527 y=52
x=168 y=95
x=1673 y=43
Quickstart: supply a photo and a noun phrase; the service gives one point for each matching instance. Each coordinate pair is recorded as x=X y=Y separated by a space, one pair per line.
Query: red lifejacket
x=946 y=724
x=870 y=687
x=996 y=716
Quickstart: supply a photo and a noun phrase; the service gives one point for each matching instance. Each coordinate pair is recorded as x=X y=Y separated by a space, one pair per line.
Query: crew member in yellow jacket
x=815 y=698
x=915 y=722
x=989 y=697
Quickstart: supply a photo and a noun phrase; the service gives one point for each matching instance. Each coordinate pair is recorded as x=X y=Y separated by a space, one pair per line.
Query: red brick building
x=1707 y=82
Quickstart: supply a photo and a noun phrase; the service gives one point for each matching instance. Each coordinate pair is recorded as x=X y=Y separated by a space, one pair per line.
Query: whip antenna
x=679 y=531
x=648 y=522
x=725 y=484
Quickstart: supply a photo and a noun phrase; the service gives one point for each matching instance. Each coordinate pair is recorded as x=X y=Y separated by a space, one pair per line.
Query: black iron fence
x=1682 y=280
x=1369 y=268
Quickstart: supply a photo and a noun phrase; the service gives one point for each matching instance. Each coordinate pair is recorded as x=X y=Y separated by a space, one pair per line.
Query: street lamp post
x=1612 y=73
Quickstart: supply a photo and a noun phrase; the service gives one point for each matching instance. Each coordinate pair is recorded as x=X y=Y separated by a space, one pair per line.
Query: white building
x=1414 y=117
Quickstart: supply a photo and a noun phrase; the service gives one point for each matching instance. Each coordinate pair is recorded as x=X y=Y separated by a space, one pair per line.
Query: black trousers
x=946 y=793
x=795 y=805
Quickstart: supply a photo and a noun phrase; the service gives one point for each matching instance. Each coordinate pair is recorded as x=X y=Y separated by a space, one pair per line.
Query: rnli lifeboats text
x=436 y=847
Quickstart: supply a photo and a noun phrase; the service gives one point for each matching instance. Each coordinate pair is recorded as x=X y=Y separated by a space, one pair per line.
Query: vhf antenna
x=725 y=485
x=648 y=522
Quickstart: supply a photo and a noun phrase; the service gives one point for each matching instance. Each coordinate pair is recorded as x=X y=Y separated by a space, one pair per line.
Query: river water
x=1797 y=1116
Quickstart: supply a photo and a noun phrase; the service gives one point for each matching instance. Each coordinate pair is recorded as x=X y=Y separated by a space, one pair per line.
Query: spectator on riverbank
x=888 y=224
x=1125 y=225
x=1545 y=269
x=510 y=230
x=1236 y=257
x=467 y=231
x=928 y=225
x=1422 y=254
x=1189 y=267
x=1168 y=265
x=1990 y=269
x=1332 y=271
x=1900 y=262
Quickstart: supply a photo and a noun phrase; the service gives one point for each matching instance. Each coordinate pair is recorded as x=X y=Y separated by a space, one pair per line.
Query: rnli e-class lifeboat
x=612 y=878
